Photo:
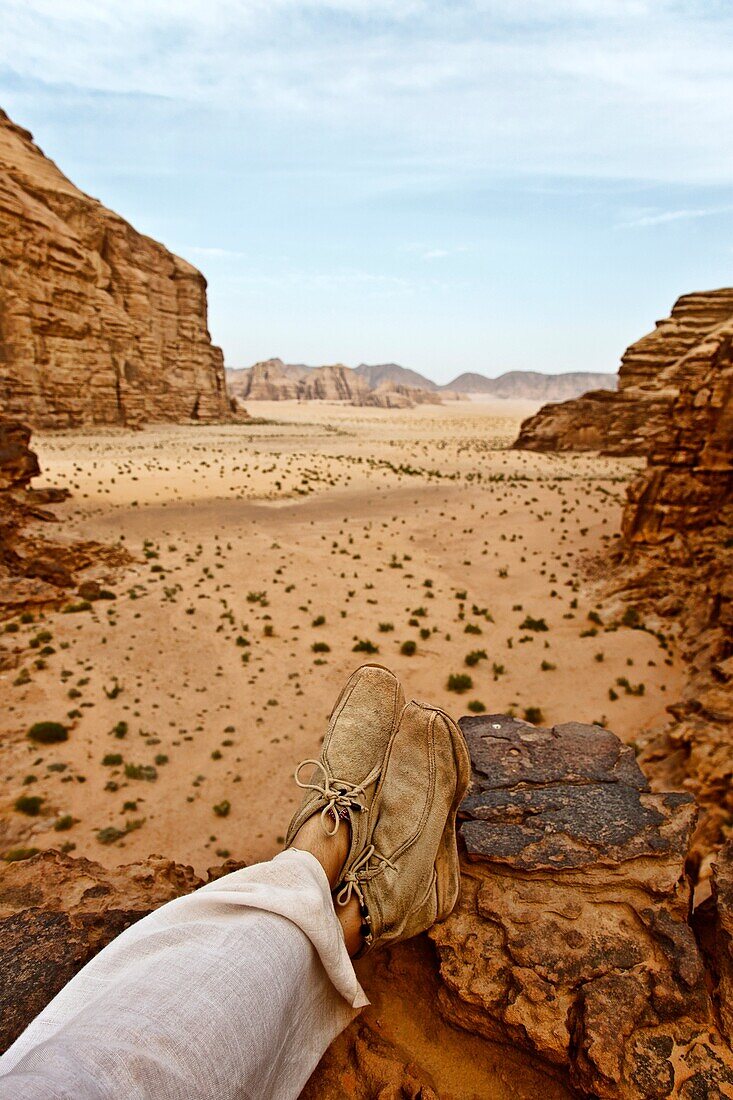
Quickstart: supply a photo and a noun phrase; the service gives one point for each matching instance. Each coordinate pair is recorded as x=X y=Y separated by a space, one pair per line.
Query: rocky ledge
x=570 y=964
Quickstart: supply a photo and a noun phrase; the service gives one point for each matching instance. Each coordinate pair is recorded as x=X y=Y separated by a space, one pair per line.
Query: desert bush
x=48 y=733
x=459 y=682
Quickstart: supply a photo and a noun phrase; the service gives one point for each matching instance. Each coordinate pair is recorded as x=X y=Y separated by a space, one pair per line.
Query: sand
x=264 y=554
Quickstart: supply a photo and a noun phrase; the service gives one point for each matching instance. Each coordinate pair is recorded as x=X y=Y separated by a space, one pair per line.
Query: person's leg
x=233 y=991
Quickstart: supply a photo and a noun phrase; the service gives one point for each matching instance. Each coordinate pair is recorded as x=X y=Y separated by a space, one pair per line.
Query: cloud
x=664 y=216
x=605 y=89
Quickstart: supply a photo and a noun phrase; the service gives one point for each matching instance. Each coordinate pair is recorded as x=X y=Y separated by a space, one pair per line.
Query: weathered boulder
x=18 y=463
x=571 y=937
x=98 y=323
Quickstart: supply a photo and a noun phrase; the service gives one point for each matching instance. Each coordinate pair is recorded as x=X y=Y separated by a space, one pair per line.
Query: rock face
x=392 y=395
x=271 y=380
x=677 y=555
x=332 y=383
x=683 y=349
x=98 y=323
x=34 y=570
x=571 y=937
x=274 y=380
x=675 y=405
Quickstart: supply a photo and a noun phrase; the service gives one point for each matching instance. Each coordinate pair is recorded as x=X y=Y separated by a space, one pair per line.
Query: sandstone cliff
x=682 y=348
x=676 y=561
x=273 y=380
x=98 y=323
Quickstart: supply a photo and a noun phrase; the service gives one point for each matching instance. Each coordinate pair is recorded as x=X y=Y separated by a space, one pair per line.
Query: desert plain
x=270 y=558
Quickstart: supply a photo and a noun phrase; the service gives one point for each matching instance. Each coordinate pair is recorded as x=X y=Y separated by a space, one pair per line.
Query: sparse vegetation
x=48 y=733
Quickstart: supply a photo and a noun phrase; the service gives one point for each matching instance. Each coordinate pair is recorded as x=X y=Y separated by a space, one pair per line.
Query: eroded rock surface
x=98 y=323
x=35 y=570
x=571 y=938
x=56 y=913
x=273 y=380
x=681 y=354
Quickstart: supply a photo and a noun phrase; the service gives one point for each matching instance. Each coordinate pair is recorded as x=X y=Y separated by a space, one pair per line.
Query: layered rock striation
x=99 y=324
x=273 y=380
x=677 y=562
x=674 y=357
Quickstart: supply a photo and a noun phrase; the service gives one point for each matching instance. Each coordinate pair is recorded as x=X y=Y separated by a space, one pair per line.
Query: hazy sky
x=449 y=184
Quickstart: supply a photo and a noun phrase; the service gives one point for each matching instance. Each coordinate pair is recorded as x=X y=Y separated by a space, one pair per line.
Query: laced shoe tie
x=338 y=794
x=360 y=872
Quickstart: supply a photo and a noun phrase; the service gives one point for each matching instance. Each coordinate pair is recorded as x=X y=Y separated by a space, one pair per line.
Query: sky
x=453 y=185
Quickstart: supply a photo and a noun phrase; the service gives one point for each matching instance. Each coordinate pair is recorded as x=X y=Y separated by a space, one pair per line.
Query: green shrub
x=321 y=647
x=63 y=823
x=533 y=624
x=533 y=715
x=221 y=809
x=112 y=759
x=48 y=733
x=408 y=649
x=29 y=804
x=459 y=682
x=141 y=771
x=476 y=706
x=365 y=646
x=16 y=854
x=631 y=617
x=475 y=656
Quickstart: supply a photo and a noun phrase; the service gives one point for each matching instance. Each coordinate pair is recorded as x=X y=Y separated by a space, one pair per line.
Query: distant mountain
x=274 y=380
x=533 y=385
x=375 y=374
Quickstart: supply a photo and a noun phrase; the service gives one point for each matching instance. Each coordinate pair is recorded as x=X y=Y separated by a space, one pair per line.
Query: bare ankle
x=330 y=851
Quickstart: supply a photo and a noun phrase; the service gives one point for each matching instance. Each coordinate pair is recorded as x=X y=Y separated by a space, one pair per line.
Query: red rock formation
x=677 y=557
x=274 y=380
x=98 y=323
x=571 y=938
x=271 y=380
x=653 y=372
x=34 y=570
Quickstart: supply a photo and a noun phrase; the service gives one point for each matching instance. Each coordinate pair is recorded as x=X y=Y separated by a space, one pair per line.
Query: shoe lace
x=338 y=794
x=360 y=872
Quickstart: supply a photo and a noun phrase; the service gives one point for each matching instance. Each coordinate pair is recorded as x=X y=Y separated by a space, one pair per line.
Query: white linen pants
x=230 y=993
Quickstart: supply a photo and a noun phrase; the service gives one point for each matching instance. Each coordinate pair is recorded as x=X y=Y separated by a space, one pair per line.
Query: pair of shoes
x=397 y=773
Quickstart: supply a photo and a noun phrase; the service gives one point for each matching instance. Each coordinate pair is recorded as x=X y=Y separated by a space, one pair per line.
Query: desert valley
x=191 y=564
